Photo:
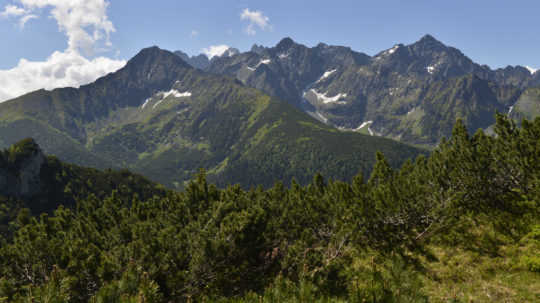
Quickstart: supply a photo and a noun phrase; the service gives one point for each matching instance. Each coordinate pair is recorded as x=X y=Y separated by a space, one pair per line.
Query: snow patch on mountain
x=326 y=75
x=510 y=109
x=145 y=102
x=325 y=99
x=323 y=118
x=175 y=93
x=172 y=92
x=263 y=61
x=283 y=56
x=531 y=70
x=157 y=103
x=364 y=124
x=392 y=50
x=387 y=52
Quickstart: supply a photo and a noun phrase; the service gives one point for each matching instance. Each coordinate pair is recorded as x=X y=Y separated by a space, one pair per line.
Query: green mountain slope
x=162 y=118
x=528 y=105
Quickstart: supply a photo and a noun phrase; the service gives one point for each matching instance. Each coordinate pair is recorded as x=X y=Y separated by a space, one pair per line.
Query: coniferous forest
x=459 y=225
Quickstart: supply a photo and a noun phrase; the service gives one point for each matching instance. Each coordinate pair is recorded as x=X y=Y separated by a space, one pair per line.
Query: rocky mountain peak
x=429 y=43
x=258 y=49
x=285 y=44
x=155 y=55
x=427 y=38
x=200 y=61
x=151 y=66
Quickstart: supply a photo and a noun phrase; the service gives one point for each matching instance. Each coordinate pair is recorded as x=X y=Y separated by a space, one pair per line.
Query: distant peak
x=231 y=51
x=151 y=49
x=258 y=49
x=150 y=52
x=155 y=54
x=429 y=39
x=285 y=43
x=180 y=53
x=390 y=51
x=429 y=44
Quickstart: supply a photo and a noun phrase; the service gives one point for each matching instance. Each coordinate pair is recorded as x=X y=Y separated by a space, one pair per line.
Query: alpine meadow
x=284 y=169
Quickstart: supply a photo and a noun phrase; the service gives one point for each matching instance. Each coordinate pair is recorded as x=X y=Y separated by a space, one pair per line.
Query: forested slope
x=460 y=225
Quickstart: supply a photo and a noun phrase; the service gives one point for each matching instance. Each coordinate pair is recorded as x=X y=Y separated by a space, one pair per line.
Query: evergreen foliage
x=380 y=239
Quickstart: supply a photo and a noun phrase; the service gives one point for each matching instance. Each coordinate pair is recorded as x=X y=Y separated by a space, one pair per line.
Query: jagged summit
x=427 y=38
x=428 y=42
x=200 y=61
x=285 y=43
x=155 y=53
x=348 y=89
x=258 y=49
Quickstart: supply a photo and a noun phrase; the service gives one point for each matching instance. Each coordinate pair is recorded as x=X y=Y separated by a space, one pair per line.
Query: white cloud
x=61 y=69
x=215 y=50
x=87 y=27
x=256 y=19
x=84 y=22
x=25 y=19
x=12 y=10
x=194 y=33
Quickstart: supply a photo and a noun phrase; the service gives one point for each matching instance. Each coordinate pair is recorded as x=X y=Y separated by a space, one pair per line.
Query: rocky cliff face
x=20 y=170
x=412 y=93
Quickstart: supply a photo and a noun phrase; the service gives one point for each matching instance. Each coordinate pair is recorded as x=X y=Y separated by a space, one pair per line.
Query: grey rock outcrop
x=20 y=174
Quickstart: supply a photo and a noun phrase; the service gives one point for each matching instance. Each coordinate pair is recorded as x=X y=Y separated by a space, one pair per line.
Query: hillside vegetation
x=461 y=225
x=34 y=183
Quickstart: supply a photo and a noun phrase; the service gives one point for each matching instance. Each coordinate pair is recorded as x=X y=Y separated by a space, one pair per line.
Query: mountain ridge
x=162 y=118
x=347 y=89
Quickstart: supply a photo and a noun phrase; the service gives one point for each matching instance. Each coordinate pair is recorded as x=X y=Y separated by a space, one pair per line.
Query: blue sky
x=496 y=33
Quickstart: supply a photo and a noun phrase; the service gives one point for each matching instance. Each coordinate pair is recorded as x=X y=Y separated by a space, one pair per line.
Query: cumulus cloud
x=256 y=19
x=87 y=28
x=12 y=10
x=84 y=22
x=215 y=50
x=61 y=69
x=25 y=19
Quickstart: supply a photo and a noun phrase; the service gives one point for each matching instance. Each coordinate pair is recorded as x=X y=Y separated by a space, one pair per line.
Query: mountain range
x=272 y=113
x=411 y=93
x=160 y=117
